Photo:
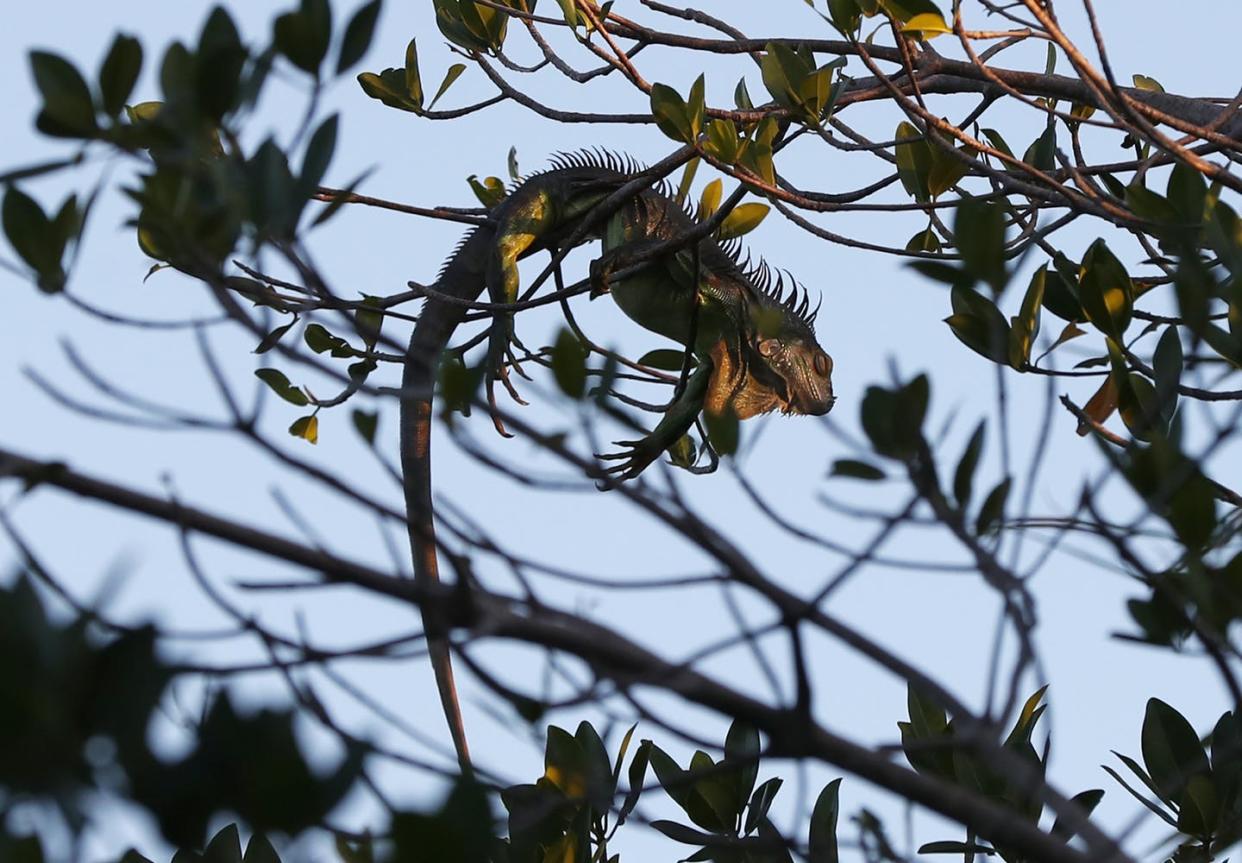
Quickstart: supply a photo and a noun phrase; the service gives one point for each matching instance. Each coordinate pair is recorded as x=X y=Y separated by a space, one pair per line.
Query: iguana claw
x=632 y=461
x=500 y=359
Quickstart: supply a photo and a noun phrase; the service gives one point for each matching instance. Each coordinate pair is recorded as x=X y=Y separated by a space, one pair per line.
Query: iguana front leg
x=528 y=223
x=676 y=421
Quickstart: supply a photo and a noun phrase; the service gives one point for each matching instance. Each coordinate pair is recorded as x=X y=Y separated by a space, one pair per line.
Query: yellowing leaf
x=709 y=198
x=928 y=24
x=307 y=428
x=453 y=73
x=744 y=219
x=1100 y=406
x=1149 y=84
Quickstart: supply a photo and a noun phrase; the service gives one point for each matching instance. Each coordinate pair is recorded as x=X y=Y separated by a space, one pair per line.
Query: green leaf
x=34 y=237
x=925 y=241
x=1187 y=193
x=1171 y=750
x=663 y=358
x=1061 y=290
x=366 y=423
x=280 y=385
x=570 y=10
x=303 y=36
x=979 y=235
x=914 y=161
x=822 y=847
x=1105 y=290
x=1025 y=326
x=1200 y=807
x=696 y=107
x=216 y=69
x=413 y=78
x=784 y=72
x=671 y=114
x=319 y=340
x=369 y=320
x=1152 y=807
x=947 y=169
x=714 y=787
x=1147 y=205
x=722 y=141
x=964 y=476
x=741 y=96
x=743 y=219
x=637 y=776
x=66 y=98
x=760 y=802
x=678 y=785
x=1167 y=364
x=1042 y=152
x=682 y=833
x=565 y=763
x=978 y=324
x=458 y=384
x=453 y=73
x=1085 y=801
x=993 y=509
x=845 y=14
x=997 y=141
x=1227 y=737
x=742 y=749
x=855 y=469
x=269 y=341
x=722 y=430
x=119 y=73
x=597 y=767
x=462 y=24
x=358 y=35
x=569 y=364
x=318 y=156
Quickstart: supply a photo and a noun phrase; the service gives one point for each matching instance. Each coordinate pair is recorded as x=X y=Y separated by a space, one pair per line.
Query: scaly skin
x=755 y=349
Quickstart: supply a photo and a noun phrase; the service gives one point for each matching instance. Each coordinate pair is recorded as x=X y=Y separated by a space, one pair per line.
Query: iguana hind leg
x=677 y=420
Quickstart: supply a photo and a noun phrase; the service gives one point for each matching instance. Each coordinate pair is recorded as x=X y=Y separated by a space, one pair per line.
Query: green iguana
x=753 y=341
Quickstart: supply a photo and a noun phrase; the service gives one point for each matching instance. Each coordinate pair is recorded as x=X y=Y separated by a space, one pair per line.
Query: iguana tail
x=462 y=276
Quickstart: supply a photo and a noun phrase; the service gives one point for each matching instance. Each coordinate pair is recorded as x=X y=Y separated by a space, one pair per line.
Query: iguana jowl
x=755 y=348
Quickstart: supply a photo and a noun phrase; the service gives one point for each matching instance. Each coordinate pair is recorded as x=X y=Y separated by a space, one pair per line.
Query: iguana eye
x=823 y=364
x=768 y=347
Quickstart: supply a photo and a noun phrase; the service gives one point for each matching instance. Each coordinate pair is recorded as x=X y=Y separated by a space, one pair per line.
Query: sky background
x=877 y=315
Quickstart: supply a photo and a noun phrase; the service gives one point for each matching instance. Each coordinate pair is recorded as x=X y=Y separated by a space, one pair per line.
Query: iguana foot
x=632 y=460
x=499 y=357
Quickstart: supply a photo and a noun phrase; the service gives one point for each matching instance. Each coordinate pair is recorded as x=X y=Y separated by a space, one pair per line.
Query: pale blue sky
x=875 y=313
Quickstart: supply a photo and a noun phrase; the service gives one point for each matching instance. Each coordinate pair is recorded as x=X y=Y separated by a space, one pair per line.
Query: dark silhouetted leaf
x=358 y=34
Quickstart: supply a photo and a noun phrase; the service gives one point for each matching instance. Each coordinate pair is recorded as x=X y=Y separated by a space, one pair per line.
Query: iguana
x=753 y=341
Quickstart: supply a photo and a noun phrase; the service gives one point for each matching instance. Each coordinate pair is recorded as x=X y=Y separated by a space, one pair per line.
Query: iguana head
x=776 y=363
